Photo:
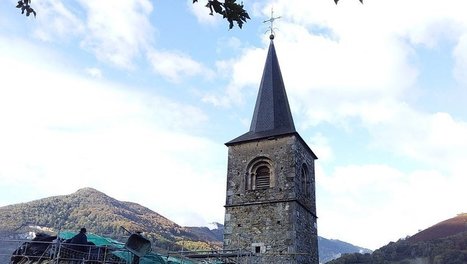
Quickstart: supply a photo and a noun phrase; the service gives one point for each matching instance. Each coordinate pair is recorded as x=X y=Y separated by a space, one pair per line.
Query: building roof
x=272 y=116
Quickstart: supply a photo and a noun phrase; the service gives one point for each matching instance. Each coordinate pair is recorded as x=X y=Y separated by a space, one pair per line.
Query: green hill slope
x=100 y=214
x=443 y=243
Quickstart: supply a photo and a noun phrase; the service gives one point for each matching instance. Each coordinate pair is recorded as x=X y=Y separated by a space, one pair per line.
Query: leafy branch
x=25 y=7
x=229 y=10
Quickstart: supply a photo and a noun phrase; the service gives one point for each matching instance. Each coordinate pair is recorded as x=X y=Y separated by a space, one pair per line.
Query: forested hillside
x=445 y=242
x=100 y=214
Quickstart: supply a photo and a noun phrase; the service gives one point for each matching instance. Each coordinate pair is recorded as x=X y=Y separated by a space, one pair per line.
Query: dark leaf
x=25 y=7
x=29 y=10
x=235 y=13
x=217 y=6
x=208 y=5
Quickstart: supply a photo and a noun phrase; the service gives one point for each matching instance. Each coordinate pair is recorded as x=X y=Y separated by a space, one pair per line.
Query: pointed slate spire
x=272 y=116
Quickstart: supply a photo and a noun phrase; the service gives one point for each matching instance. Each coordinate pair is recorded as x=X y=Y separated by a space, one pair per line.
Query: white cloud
x=94 y=72
x=436 y=139
x=320 y=144
x=176 y=65
x=231 y=44
x=119 y=32
x=56 y=21
x=244 y=73
x=116 y=33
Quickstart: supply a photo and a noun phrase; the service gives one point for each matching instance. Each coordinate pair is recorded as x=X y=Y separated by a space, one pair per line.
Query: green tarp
x=151 y=258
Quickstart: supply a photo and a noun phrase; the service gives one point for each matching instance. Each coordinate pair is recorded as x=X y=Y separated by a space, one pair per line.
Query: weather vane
x=271 y=20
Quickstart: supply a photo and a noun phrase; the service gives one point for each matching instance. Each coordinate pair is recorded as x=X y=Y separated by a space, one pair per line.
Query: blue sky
x=136 y=98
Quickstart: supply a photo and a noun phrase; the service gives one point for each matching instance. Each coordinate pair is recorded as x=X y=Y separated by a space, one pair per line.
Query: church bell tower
x=270 y=206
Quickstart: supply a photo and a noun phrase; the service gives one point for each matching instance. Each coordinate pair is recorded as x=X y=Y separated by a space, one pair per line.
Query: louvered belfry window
x=263 y=176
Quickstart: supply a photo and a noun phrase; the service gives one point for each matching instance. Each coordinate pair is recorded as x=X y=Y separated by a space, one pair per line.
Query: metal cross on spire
x=271 y=20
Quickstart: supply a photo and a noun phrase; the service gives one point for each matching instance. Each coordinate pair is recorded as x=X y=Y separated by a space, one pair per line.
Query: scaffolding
x=54 y=252
x=22 y=252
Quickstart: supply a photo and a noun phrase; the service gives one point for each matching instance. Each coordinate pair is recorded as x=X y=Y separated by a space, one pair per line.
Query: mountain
x=100 y=214
x=330 y=249
x=442 y=243
x=215 y=234
x=104 y=215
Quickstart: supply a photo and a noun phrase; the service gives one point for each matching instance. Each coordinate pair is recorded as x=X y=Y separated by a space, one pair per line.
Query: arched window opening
x=259 y=175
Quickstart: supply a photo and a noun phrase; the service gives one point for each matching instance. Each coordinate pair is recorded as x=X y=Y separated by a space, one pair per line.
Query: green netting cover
x=97 y=240
x=121 y=252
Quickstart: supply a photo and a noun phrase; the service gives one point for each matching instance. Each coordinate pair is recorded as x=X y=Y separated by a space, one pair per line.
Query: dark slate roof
x=272 y=116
